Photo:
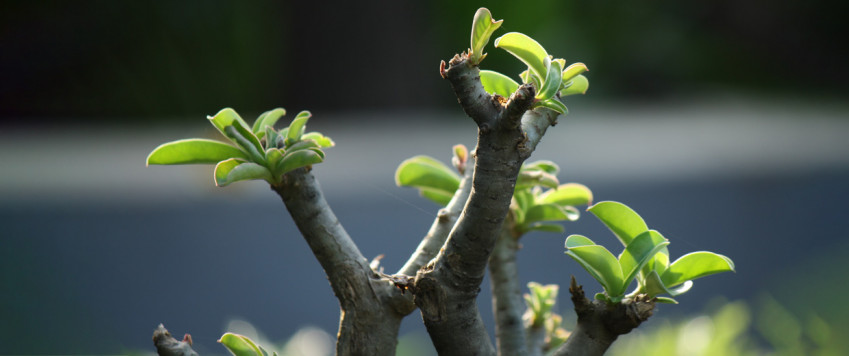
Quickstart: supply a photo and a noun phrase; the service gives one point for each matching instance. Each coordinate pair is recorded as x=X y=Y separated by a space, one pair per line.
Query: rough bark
x=507 y=303
x=446 y=289
x=371 y=306
x=600 y=323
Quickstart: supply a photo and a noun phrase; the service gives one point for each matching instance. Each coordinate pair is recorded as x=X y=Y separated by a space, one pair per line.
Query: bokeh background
x=724 y=123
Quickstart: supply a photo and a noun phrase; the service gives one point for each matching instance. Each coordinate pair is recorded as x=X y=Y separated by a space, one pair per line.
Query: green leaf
x=482 y=28
x=274 y=156
x=268 y=118
x=600 y=263
x=638 y=253
x=534 y=177
x=695 y=265
x=426 y=173
x=572 y=194
x=240 y=345
x=572 y=71
x=543 y=165
x=624 y=222
x=578 y=85
x=666 y=300
x=436 y=196
x=578 y=241
x=526 y=50
x=497 y=83
x=193 y=151
x=297 y=159
x=553 y=104
x=322 y=140
x=232 y=126
x=550 y=212
x=552 y=82
x=296 y=129
x=232 y=170
x=271 y=137
x=523 y=199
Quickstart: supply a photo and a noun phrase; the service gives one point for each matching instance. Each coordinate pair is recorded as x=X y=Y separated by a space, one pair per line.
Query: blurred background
x=725 y=124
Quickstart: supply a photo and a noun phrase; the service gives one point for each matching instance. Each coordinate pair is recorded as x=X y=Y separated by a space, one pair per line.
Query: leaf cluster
x=256 y=152
x=644 y=259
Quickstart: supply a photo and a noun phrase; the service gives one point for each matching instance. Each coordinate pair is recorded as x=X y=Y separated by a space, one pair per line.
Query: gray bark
x=507 y=302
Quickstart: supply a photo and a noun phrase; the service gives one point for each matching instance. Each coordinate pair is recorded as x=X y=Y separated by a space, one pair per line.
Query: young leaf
x=437 y=196
x=426 y=173
x=550 y=212
x=322 y=140
x=229 y=123
x=240 y=345
x=526 y=50
x=482 y=28
x=572 y=194
x=638 y=253
x=654 y=286
x=274 y=156
x=297 y=159
x=624 y=222
x=578 y=85
x=572 y=71
x=553 y=104
x=232 y=170
x=695 y=265
x=296 y=129
x=535 y=177
x=543 y=165
x=600 y=263
x=497 y=83
x=552 y=82
x=268 y=118
x=193 y=151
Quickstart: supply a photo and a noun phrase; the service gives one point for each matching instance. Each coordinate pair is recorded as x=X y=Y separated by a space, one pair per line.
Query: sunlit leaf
x=553 y=104
x=572 y=71
x=526 y=50
x=322 y=140
x=437 y=196
x=424 y=172
x=624 y=222
x=296 y=129
x=638 y=253
x=572 y=194
x=695 y=265
x=543 y=165
x=193 y=151
x=577 y=241
x=240 y=345
x=482 y=28
x=578 y=85
x=268 y=118
x=497 y=83
x=534 y=177
x=297 y=159
x=232 y=126
x=232 y=170
x=601 y=264
x=552 y=82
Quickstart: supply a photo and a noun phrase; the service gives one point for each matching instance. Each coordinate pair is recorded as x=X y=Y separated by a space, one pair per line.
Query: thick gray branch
x=371 y=309
x=507 y=302
x=599 y=323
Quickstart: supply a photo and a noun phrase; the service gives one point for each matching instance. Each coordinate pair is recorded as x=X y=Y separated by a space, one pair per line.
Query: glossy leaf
x=572 y=194
x=231 y=170
x=578 y=85
x=654 y=286
x=695 y=265
x=552 y=82
x=526 y=50
x=601 y=264
x=424 y=172
x=297 y=159
x=497 y=83
x=553 y=104
x=240 y=345
x=268 y=118
x=624 y=222
x=322 y=140
x=578 y=241
x=550 y=212
x=232 y=126
x=296 y=129
x=193 y=151
x=572 y=71
x=482 y=28
x=638 y=253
